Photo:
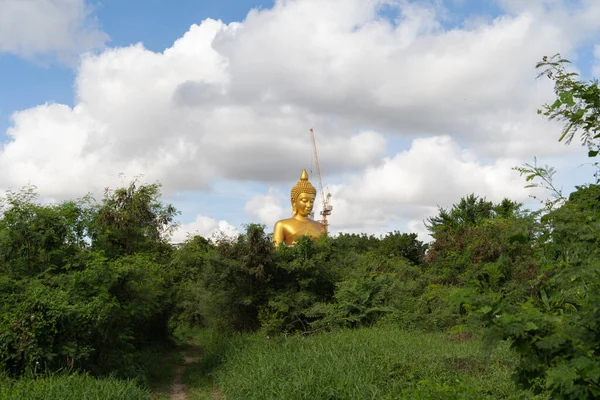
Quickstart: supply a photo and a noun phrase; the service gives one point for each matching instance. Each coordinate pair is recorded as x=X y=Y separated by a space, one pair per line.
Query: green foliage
x=403 y=245
x=356 y=280
x=65 y=305
x=572 y=232
x=246 y=284
x=577 y=103
x=96 y=284
x=468 y=212
x=374 y=286
x=95 y=318
x=131 y=220
x=557 y=330
x=393 y=245
x=482 y=244
x=471 y=211
x=356 y=243
x=185 y=270
x=542 y=177
x=38 y=238
x=223 y=286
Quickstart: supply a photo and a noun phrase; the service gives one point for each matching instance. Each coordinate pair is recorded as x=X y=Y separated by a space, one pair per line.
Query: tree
x=471 y=211
x=396 y=244
x=573 y=230
x=35 y=238
x=64 y=305
x=132 y=219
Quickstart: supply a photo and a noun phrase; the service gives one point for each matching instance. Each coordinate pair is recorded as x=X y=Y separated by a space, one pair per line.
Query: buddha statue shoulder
x=289 y=230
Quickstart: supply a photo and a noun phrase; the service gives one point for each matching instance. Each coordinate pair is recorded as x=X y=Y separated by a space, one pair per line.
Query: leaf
x=520 y=238
x=556 y=104
x=566 y=131
x=545 y=299
x=567 y=98
x=593 y=153
x=530 y=326
x=485 y=309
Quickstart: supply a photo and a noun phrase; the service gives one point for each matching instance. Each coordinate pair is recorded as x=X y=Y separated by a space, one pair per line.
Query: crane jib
x=326 y=207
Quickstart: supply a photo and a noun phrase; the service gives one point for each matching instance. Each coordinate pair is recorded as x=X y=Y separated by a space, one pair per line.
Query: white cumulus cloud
x=434 y=172
x=204 y=226
x=60 y=28
x=266 y=209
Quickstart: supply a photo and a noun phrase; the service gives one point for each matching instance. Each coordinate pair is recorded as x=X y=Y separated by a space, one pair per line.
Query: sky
x=414 y=104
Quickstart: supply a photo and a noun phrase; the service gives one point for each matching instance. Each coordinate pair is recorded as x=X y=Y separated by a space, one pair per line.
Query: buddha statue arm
x=278 y=234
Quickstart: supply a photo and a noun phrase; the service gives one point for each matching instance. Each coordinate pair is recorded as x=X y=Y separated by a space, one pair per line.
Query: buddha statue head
x=303 y=196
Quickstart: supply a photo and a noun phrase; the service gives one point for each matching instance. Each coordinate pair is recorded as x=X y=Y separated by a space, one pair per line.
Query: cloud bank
x=410 y=114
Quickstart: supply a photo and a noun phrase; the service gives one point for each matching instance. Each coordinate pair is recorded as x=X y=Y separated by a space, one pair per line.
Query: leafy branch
x=542 y=177
x=577 y=103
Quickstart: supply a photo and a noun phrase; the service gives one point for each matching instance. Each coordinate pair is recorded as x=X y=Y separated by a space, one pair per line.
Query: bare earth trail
x=178 y=388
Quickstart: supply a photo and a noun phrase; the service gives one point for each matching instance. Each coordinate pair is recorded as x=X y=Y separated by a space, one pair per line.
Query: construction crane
x=325 y=199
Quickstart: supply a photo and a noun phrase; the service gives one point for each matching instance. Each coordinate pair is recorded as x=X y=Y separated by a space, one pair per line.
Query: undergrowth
x=70 y=387
x=367 y=363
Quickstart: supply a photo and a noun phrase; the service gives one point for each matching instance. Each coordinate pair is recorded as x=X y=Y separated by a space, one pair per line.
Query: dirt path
x=178 y=388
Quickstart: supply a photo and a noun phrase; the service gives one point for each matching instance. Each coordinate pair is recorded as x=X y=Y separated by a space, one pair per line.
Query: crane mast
x=325 y=199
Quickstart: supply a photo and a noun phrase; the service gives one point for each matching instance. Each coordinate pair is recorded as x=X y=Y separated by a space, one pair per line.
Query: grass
x=70 y=387
x=154 y=368
x=368 y=363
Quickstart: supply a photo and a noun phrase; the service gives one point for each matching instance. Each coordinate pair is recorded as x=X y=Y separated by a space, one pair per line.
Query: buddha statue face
x=303 y=196
x=304 y=204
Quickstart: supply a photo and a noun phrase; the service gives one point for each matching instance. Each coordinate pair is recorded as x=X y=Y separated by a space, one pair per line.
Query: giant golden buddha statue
x=291 y=229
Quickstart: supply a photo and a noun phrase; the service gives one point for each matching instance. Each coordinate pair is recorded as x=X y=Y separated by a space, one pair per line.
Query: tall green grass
x=70 y=387
x=368 y=363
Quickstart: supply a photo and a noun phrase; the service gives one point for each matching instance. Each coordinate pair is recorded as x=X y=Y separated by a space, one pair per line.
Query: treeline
x=93 y=287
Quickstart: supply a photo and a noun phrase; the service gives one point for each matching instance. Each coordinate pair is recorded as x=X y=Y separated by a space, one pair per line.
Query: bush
x=90 y=318
x=69 y=298
x=556 y=331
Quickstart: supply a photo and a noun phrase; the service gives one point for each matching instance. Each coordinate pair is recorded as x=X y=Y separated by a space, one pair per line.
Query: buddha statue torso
x=291 y=229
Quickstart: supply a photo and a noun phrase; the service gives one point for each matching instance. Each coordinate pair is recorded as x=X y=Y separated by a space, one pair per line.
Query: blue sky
x=30 y=81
